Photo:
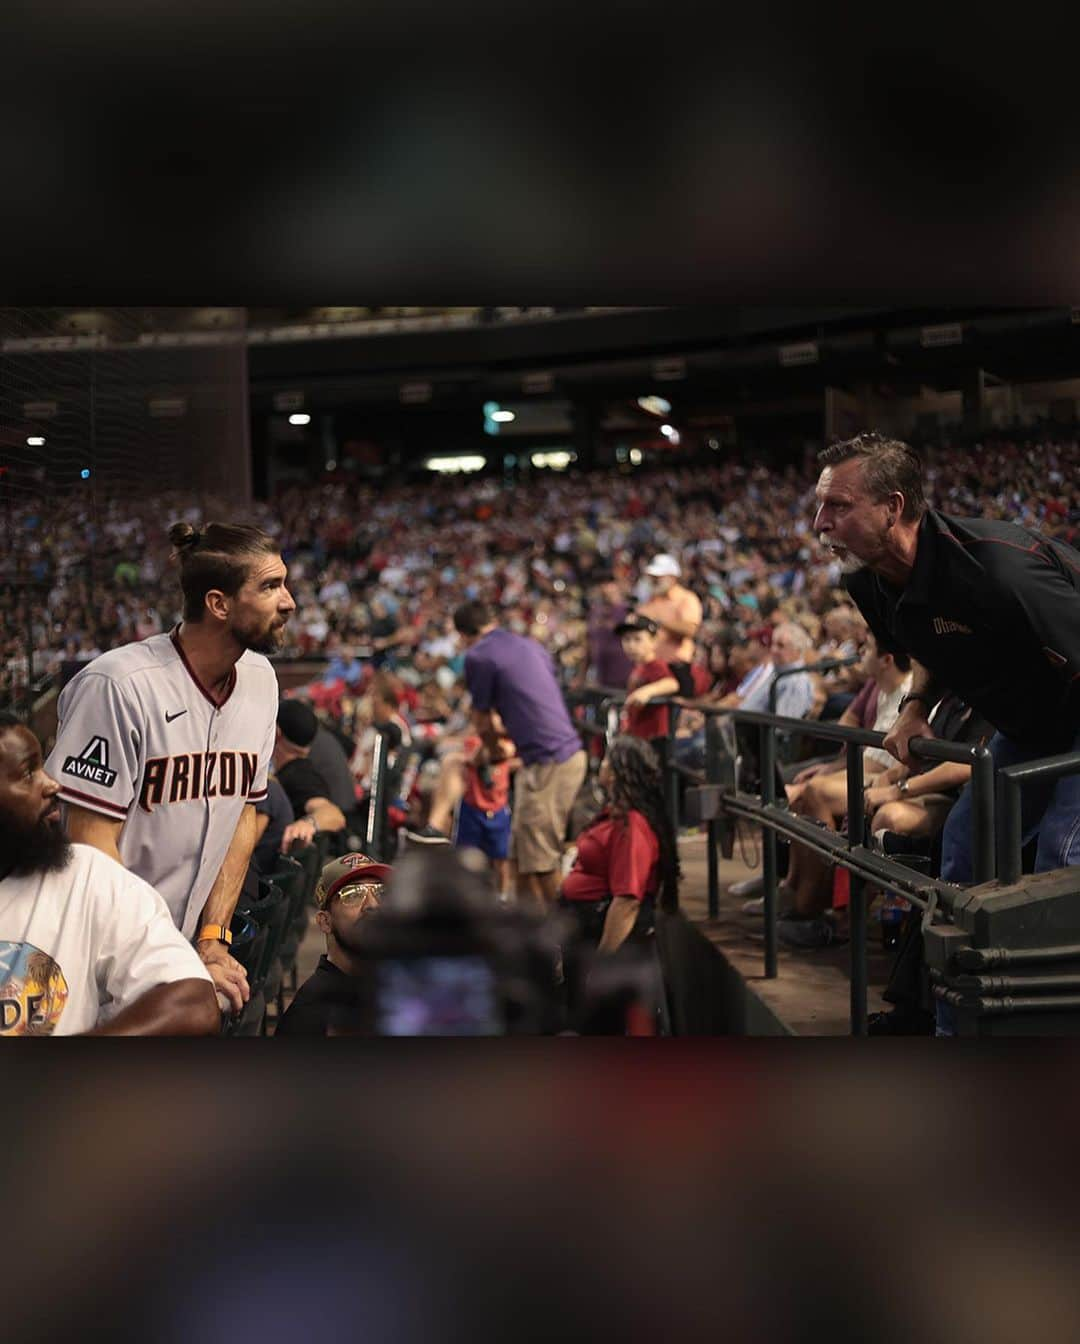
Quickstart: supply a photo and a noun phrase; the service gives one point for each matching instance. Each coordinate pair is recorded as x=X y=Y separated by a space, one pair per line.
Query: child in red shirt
x=650 y=678
x=484 y=812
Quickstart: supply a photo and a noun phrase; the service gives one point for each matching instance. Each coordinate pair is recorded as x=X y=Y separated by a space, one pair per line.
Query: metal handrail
x=1010 y=781
x=824 y=665
x=852 y=853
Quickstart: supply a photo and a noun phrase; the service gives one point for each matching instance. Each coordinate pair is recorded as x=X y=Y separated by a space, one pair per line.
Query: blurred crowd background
x=377 y=569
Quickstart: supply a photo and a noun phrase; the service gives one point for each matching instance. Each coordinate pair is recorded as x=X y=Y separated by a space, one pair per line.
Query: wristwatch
x=214 y=933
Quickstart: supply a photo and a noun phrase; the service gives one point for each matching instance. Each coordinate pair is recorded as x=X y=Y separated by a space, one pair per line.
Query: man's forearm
x=221 y=903
x=922 y=685
x=948 y=775
x=182 y=1008
x=326 y=815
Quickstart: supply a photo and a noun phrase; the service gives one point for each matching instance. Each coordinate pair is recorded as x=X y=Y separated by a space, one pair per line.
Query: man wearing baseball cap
x=675 y=609
x=305 y=786
x=349 y=889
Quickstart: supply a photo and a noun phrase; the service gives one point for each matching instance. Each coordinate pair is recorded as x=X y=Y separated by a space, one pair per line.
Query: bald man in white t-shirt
x=85 y=946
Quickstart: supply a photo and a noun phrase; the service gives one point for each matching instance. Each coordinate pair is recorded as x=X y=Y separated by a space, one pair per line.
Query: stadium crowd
x=446 y=620
x=379 y=570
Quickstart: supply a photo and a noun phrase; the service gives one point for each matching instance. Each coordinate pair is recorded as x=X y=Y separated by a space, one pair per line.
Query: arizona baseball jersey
x=141 y=740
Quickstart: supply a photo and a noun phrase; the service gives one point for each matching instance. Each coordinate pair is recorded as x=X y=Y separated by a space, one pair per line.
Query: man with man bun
x=164 y=745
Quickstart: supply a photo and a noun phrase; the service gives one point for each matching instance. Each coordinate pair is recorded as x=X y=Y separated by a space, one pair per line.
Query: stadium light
x=503 y=417
x=455 y=464
x=558 y=461
x=655 y=405
x=300 y=418
x=35 y=441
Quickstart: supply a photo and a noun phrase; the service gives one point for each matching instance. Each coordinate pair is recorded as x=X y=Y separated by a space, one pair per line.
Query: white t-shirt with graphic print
x=79 y=945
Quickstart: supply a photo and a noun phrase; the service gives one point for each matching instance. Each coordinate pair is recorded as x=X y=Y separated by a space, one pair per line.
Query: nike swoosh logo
x=169 y=717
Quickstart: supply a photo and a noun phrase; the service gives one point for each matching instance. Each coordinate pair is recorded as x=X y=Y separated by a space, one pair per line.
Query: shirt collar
x=919 y=585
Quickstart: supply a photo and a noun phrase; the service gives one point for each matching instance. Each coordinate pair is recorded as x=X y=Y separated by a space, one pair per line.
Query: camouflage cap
x=348 y=871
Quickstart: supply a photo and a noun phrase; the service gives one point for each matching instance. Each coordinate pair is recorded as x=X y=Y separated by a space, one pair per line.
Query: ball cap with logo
x=348 y=871
x=635 y=621
x=660 y=565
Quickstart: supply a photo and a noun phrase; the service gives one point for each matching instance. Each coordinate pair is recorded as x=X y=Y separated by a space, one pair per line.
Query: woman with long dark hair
x=627 y=859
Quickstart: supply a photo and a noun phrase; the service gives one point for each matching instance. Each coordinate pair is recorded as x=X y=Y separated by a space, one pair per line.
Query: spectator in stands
x=512 y=674
x=86 y=947
x=306 y=789
x=627 y=860
x=384 y=716
x=273 y=817
x=333 y=998
x=675 y=609
x=327 y=756
x=861 y=713
x=650 y=678
x=483 y=820
x=915 y=805
x=608 y=663
x=805 y=922
x=795 y=697
x=989 y=609
x=433 y=807
x=914 y=800
x=844 y=632
x=387 y=635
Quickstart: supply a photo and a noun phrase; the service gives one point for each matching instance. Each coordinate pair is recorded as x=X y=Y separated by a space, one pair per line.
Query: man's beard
x=269 y=641
x=40 y=848
x=849 y=562
x=350 y=937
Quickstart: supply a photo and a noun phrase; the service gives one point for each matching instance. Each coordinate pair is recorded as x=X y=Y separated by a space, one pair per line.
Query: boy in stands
x=650 y=678
x=484 y=812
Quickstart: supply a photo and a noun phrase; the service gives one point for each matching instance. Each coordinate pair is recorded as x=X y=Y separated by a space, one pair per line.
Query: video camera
x=441 y=958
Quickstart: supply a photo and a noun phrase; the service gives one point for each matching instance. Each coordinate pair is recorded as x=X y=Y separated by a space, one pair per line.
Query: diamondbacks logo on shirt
x=92 y=764
x=33 y=991
x=944 y=627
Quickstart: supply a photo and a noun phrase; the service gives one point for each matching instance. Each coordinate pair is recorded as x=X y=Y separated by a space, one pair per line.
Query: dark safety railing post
x=982 y=814
x=671 y=774
x=1010 y=829
x=856 y=899
x=712 y=776
x=767 y=757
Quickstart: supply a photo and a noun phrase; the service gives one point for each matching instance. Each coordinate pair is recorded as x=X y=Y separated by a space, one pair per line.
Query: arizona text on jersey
x=142 y=741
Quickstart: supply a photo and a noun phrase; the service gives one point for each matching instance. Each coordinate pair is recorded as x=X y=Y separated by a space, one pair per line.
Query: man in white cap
x=675 y=609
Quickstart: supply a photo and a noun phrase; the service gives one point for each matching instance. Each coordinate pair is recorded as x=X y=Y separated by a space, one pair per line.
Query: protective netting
x=97 y=410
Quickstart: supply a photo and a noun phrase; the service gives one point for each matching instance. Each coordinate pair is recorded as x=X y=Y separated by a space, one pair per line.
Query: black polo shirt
x=328 y=998
x=992 y=610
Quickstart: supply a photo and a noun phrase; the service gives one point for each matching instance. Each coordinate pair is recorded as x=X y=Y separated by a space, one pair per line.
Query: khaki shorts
x=543 y=796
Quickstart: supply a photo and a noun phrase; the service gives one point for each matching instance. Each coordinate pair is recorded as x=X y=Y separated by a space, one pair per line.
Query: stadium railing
x=716 y=798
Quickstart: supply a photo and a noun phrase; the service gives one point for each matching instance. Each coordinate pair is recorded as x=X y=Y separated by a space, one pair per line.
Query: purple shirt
x=610 y=665
x=515 y=676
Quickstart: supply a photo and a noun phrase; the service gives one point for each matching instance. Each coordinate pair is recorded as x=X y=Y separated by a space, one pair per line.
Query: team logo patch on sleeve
x=92 y=764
